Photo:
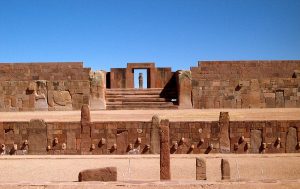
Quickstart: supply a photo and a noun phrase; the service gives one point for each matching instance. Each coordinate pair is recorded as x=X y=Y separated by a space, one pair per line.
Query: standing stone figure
x=140 y=80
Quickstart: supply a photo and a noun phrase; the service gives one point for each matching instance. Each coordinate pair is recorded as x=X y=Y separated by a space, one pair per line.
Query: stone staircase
x=131 y=99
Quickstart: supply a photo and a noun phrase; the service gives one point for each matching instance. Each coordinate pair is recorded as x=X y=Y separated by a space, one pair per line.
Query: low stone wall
x=142 y=137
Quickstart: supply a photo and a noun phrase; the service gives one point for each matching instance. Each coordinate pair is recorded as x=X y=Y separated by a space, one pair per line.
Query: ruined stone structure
x=70 y=86
x=246 y=84
x=213 y=84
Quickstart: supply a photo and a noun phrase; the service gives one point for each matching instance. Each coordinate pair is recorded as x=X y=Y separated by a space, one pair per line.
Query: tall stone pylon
x=165 y=171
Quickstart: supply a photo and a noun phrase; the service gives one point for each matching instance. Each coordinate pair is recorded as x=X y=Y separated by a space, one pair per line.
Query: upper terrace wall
x=258 y=69
x=43 y=71
x=50 y=86
x=246 y=84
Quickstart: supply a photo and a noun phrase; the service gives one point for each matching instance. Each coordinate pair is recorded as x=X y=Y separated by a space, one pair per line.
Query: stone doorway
x=140 y=79
x=255 y=140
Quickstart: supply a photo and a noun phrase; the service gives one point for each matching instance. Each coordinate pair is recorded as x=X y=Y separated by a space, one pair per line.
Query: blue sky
x=171 y=33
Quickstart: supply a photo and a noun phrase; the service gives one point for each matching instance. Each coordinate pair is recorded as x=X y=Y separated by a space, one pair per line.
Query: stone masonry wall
x=246 y=84
x=135 y=137
x=50 y=86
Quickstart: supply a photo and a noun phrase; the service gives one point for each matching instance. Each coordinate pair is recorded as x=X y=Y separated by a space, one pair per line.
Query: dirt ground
x=146 y=115
x=142 y=171
x=65 y=168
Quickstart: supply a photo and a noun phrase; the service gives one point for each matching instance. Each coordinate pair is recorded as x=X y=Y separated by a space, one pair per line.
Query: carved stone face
x=55 y=141
x=15 y=147
x=64 y=146
x=103 y=141
x=138 y=140
x=114 y=146
x=130 y=146
x=93 y=147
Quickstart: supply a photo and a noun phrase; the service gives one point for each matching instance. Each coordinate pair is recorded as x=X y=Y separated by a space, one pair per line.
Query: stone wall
x=246 y=84
x=134 y=137
x=50 y=86
x=43 y=71
x=156 y=77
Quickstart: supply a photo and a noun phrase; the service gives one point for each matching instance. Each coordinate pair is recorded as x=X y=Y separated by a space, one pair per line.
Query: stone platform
x=146 y=115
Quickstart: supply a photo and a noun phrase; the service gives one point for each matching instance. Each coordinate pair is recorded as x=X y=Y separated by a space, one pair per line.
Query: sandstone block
x=225 y=169
x=101 y=174
x=200 y=169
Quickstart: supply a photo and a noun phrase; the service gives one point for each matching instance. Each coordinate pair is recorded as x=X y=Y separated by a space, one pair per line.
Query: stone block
x=225 y=169
x=200 y=169
x=105 y=174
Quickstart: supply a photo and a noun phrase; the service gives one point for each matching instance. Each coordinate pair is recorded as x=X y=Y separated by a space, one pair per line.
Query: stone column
x=165 y=172
x=225 y=169
x=85 y=138
x=224 y=132
x=85 y=119
x=154 y=138
x=200 y=169
x=184 y=89
x=141 y=80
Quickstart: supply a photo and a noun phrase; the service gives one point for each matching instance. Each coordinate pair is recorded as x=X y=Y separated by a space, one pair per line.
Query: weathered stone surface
x=37 y=136
x=184 y=88
x=225 y=169
x=255 y=140
x=200 y=169
x=224 y=132
x=155 y=138
x=165 y=171
x=291 y=140
x=98 y=88
x=102 y=174
x=85 y=120
x=62 y=98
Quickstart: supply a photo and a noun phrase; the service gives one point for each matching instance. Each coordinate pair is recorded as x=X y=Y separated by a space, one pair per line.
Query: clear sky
x=171 y=33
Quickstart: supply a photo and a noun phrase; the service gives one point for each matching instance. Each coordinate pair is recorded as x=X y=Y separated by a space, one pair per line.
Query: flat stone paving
x=146 y=115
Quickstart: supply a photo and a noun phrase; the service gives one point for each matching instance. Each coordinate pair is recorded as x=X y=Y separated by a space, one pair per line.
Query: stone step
x=139 y=107
x=133 y=92
x=137 y=99
x=139 y=103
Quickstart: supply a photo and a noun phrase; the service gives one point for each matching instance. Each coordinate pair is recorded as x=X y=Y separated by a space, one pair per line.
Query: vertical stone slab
x=97 y=90
x=154 y=137
x=165 y=172
x=85 y=119
x=37 y=136
x=225 y=169
x=291 y=140
x=184 y=89
x=200 y=169
x=122 y=142
x=224 y=132
x=255 y=140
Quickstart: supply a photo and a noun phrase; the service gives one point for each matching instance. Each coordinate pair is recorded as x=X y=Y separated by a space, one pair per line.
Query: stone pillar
x=141 y=80
x=165 y=172
x=85 y=144
x=200 y=169
x=85 y=119
x=154 y=138
x=98 y=88
x=224 y=132
x=225 y=169
x=184 y=89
